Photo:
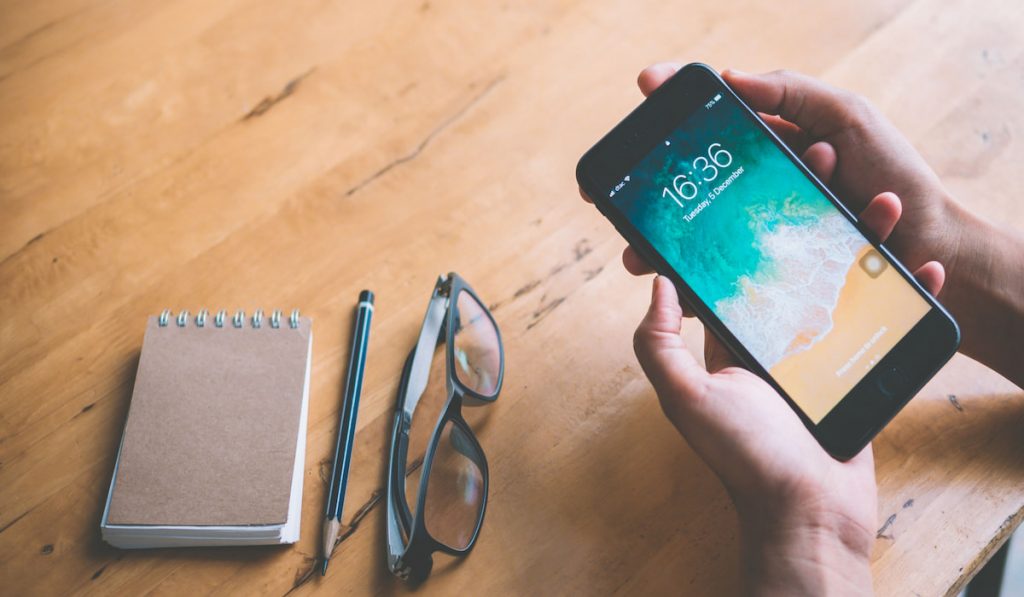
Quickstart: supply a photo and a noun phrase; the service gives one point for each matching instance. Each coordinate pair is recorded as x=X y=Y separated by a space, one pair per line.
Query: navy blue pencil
x=347 y=426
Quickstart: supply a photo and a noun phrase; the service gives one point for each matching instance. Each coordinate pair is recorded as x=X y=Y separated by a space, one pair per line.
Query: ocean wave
x=786 y=306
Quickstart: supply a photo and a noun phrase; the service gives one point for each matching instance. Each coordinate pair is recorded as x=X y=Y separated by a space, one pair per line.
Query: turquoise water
x=768 y=252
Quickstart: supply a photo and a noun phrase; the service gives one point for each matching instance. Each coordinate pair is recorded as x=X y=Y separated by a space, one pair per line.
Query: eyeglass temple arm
x=396 y=547
x=424 y=352
x=419 y=373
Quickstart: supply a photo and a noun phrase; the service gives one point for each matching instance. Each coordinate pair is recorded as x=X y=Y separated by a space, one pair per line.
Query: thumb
x=705 y=413
x=659 y=347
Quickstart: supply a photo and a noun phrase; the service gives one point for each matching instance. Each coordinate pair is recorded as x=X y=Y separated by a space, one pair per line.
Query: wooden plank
x=255 y=154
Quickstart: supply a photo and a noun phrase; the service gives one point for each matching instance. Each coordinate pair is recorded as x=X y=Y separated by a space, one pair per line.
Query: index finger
x=654 y=75
x=815 y=106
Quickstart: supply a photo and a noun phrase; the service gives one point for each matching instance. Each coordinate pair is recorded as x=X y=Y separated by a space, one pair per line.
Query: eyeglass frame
x=412 y=558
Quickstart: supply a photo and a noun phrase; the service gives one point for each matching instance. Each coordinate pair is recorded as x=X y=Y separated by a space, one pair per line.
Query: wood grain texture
x=260 y=154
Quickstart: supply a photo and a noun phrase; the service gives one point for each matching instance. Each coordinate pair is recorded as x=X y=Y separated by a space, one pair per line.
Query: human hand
x=859 y=154
x=853 y=149
x=808 y=520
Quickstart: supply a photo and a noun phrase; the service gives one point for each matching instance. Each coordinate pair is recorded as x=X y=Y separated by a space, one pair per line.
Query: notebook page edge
x=292 y=528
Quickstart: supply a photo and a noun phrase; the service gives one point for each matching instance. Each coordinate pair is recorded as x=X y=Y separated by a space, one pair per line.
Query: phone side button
x=891 y=381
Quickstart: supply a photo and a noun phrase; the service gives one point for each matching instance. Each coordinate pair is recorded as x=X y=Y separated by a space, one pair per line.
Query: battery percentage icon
x=718 y=96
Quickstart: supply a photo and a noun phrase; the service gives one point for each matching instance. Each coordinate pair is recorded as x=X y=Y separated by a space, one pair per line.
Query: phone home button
x=891 y=381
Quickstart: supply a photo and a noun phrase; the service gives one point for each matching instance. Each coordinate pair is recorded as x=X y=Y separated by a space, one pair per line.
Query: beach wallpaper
x=783 y=269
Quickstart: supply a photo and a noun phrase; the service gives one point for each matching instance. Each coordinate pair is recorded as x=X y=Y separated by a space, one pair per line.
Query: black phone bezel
x=884 y=390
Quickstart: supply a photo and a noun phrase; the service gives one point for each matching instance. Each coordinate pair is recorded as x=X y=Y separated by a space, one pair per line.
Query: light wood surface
x=262 y=154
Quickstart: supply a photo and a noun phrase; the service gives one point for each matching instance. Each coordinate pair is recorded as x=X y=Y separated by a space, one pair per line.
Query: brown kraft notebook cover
x=212 y=428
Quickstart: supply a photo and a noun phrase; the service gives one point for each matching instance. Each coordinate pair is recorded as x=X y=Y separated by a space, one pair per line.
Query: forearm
x=985 y=293
x=807 y=563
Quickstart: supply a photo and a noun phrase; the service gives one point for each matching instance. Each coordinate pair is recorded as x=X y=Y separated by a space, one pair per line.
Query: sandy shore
x=883 y=309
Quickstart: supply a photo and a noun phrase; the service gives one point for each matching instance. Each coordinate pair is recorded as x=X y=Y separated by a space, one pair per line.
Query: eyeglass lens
x=476 y=347
x=455 y=489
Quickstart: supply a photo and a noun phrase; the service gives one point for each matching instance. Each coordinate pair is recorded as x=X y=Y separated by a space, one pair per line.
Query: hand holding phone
x=795 y=502
x=807 y=520
x=769 y=260
x=820 y=122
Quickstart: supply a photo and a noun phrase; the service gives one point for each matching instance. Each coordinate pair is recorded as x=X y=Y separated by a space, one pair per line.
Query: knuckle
x=858 y=108
x=852 y=99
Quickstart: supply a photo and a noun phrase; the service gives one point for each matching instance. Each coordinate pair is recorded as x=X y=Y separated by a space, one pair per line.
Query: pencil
x=347 y=425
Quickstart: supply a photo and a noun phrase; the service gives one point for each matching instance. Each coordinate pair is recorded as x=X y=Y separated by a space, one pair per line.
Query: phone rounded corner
x=846 y=456
x=953 y=347
x=949 y=332
x=956 y=336
x=703 y=70
x=585 y=186
x=841 y=452
x=581 y=167
x=702 y=66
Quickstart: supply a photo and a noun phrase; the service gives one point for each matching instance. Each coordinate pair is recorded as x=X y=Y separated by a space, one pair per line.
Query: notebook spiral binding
x=238 y=320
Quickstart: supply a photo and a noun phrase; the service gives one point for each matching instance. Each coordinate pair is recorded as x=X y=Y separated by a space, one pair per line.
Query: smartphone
x=768 y=259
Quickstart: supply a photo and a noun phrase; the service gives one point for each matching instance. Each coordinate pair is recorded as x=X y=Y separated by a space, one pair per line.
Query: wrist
x=807 y=554
x=984 y=289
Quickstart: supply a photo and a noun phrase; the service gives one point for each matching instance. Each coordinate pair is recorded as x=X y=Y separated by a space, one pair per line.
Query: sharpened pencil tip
x=323 y=568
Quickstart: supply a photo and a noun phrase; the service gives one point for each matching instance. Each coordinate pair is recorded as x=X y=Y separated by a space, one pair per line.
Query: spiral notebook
x=213 y=449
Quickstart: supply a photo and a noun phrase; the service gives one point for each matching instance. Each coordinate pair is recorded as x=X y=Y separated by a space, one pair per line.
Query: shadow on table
x=291 y=559
x=107 y=556
x=479 y=418
x=959 y=432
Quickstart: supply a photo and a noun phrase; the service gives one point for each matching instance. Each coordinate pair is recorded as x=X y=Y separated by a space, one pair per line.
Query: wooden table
x=262 y=154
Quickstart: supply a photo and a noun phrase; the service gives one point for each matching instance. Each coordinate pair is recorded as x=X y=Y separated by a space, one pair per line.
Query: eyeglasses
x=436 y=501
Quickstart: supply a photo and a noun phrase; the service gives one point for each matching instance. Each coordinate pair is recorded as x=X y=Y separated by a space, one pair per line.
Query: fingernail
x=732 y=72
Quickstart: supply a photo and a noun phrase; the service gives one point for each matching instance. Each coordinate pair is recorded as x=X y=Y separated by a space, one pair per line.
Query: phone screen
x=756 y=240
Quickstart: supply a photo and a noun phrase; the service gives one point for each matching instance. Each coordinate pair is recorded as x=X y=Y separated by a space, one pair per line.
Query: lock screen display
x=769 y=254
